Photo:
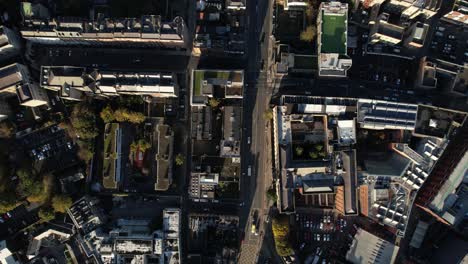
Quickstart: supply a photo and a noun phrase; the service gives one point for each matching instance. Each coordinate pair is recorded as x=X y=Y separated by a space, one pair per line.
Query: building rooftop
x=3 y=38
x=85 y=215
x=457 y=205
x=364 y=200
x=386 y=164
x=232 y=127
x=131 y=241
x=133 y=246
x=236 y=4
x=164 y=157
x=111 y=160
x=9 y=43
x=30 y=10
x=437 y=122
x=457 y=17
x=5 y=254
x=390 y=32
x=68 y=80
x=350 y=182
x=450 y=41
x=216 y=83
x=148 y=28
x=332 y=24
x=374 y=114
x=57 y=232
x=346 y=131
x=10 y=75
x=419 y=233
x=334 y=27
x=447 y=194
x=318 y=184
x=202 y=126
x=171 y=230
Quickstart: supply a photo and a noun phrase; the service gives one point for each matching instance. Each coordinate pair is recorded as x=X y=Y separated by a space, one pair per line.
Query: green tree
x=57 y=117
x=213 y=102
x=129 y=100
x=61 y=203
x=8 y=201
x=85 y=154
x=107 y=114
x=271 y=195
x=125 y=115
x=322 y=154
x=137 y=117
x=318 y=147
x=83 y=120
x=46 y=214
x=143 y=145
x=28 y=185
x=280 y=228
x=313 y=155
x=121 y=115
x=299 y=150
x=7 y=129
x=309 y=33
x=113 y=155
x=4 y=175
x=46 y=188
x=133 y=147
x=179 y=160
x=86 y=149
x=268 y=114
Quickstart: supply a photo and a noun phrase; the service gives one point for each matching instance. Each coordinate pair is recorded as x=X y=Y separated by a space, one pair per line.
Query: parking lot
x=323 y=234
x=15 y=220
x=139 y=207
x=49 y=148
x=385 y=70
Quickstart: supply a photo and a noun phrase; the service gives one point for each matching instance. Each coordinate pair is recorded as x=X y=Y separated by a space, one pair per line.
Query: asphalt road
x=108 y=58
x=257 y=94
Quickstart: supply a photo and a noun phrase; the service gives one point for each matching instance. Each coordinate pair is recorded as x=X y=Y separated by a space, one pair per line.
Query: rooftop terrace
x=334 y=27
x=164 y=157
x=109 y=167
x=216 y=83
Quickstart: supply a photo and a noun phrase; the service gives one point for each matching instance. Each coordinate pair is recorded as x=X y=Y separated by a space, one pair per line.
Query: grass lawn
x=108 y=179
x=309 y=149
x=108 y=166
x=228 y=190
x=201 y=75
x=218 y=74
x=110 y=137
x=27 y=9
x=334 y=34
x=198 y=78
x=305 y=62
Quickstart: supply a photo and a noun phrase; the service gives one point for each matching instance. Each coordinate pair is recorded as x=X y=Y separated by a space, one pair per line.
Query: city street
x=257 y=94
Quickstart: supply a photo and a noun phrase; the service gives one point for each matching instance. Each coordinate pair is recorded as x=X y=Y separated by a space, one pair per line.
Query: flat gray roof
x=350 y=181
